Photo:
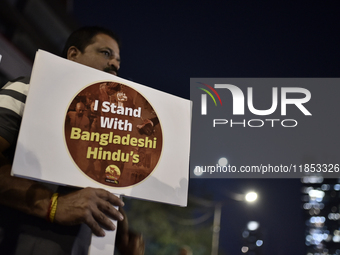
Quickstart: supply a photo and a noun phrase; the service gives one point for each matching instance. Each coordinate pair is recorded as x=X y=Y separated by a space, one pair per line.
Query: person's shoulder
x=13 y=95
x=12 y=104
x=19 y=85
x=21 y=79
x=71 y=114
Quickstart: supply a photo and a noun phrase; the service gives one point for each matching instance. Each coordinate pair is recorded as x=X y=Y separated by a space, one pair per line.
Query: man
x=25 y=204
x=77 y=118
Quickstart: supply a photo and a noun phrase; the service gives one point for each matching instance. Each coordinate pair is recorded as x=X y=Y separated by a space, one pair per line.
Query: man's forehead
x=105 y=40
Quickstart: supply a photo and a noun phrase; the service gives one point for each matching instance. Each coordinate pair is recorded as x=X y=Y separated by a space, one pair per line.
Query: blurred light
x=216 y=229
x=314 y=193
x=251 y=196
x=317 y=219
x=322 y=219
x=253 y=225
x=245 y=234
x=318 y=179
x=223 y=161
x=337 y=187
x=336 y=239
x=198 y=171
x=325 y=187
x=308 y=189
x=318 y=206
x=312 y=179
x=307 y=206
x=334 y=216
x=318 y=238
x=244 y=249
x=259 y=243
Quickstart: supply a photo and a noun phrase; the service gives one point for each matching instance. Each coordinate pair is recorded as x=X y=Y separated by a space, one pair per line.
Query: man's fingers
x=104 y=194
x=103 y=220
x=137 y=242
x=107 y=208
x=134 y=245
x=93 y=207
x=94 y=226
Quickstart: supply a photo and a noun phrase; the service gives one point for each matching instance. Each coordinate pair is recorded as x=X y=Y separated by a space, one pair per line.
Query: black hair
x=83 y=37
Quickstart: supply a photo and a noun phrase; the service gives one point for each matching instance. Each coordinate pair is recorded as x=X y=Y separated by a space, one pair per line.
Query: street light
x=251 y=196
x=253 y=225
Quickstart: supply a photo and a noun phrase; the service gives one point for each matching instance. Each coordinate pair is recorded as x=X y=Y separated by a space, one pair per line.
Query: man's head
x=112 y=87
x=80 y=108
x=95 y=47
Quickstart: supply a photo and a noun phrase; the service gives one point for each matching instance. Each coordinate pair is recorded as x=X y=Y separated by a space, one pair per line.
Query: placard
x=84 y=127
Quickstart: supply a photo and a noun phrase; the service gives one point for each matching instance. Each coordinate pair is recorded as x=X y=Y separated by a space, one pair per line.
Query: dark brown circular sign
x=113 y=134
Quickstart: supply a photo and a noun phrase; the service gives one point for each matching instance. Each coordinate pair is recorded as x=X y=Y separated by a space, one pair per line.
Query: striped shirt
x=12 y=103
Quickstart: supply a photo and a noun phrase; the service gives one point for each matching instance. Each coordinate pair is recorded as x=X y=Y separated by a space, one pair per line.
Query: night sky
x=164 y=44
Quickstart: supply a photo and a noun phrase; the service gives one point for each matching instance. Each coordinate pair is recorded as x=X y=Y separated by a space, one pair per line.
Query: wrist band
x=53 y=207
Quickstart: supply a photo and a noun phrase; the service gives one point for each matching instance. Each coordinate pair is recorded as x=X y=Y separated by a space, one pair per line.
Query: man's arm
x=91 y=206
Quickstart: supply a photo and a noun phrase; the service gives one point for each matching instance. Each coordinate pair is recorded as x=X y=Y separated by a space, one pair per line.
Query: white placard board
x=42 y=152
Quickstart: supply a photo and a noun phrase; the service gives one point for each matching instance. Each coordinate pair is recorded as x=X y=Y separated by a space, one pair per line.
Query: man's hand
x=91 y=206
x=146 y=127
x=134 y=244
x=127 y=241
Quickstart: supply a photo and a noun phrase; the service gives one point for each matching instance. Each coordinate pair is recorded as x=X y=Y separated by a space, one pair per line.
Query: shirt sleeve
x=12 y=103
